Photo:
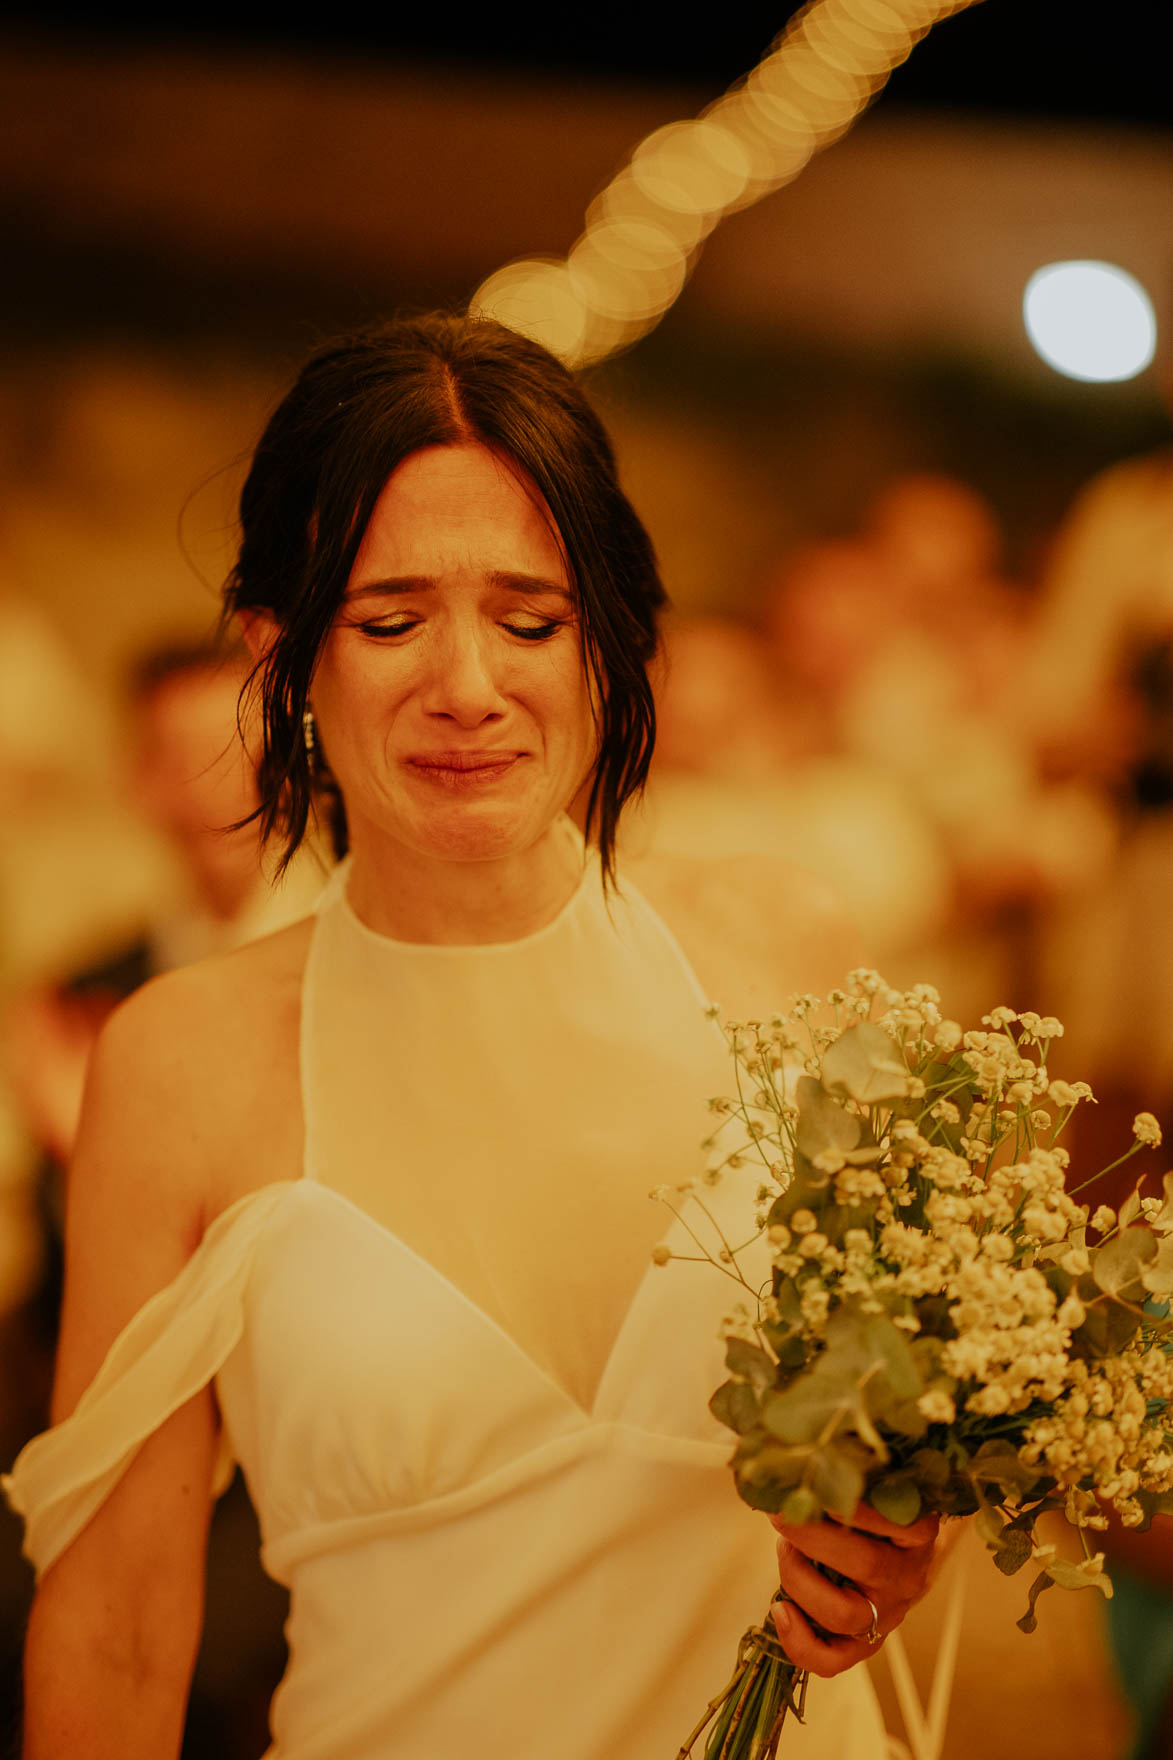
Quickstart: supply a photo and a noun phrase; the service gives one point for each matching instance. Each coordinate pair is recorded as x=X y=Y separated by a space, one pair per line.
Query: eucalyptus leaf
x=749 y=1362
x=1154 y=1503
x=1119 y=1264
x=1072 y=1576
x=1029 y=1621
x=735 y=1405
x=837 y=1479
x=997 y=1463
x=898 y=1499
x=1157 y=1275
x=802 y=1506
x=865 y=1063
x=1108 y=1327
x=1130 y=1209
x=823 y=1124
x=1014 y=1551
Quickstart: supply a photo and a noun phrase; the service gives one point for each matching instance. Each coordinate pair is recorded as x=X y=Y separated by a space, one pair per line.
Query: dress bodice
x=472 y=1415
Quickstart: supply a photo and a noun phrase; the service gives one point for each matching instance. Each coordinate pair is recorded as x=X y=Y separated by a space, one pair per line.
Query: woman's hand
x=887 y=1566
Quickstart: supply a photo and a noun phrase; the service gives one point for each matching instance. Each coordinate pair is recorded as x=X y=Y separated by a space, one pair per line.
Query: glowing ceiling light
x=1090 y=320
x=644 y=231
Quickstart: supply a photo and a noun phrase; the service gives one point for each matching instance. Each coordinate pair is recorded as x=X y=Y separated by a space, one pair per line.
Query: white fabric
x=492 y=1485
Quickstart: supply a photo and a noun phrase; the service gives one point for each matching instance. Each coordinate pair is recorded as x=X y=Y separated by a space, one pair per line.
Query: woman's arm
x=115 y=1626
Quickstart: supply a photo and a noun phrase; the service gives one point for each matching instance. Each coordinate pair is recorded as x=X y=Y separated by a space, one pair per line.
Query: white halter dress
x=470 y=1412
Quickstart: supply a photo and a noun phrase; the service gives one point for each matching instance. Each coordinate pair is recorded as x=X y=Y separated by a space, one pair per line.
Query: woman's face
x=450 y=696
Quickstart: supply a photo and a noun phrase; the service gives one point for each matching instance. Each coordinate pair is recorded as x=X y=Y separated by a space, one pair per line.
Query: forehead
x=451 y=508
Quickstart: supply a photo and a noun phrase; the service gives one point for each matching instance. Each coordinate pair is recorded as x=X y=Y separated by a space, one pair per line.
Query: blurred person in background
x=192 y=781
x=742 y=765
x=904 y=648
x=1101 y=707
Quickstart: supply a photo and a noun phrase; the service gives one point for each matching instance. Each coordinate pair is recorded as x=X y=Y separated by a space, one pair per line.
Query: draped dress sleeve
x=172 y=1347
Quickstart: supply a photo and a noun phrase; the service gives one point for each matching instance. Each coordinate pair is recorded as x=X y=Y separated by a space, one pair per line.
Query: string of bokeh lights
x=643 y=234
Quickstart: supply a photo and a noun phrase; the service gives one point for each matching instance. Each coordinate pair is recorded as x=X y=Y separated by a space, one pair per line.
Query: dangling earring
x=308 y=734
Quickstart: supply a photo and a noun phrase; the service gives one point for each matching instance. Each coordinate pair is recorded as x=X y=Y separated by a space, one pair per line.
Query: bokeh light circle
x=1090 y=320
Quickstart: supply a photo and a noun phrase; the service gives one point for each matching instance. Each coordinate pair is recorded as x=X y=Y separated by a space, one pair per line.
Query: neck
x=410 y=897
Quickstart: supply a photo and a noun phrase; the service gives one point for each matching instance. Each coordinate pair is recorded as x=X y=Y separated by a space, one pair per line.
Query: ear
x=259 y=630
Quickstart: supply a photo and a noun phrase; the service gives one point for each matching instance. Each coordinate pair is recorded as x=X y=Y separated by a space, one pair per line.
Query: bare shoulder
x=191 y=1101
x=198 y=1062
x=755 y=928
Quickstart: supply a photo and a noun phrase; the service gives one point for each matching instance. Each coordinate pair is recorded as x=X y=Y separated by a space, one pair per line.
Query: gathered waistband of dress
x=282 y=1553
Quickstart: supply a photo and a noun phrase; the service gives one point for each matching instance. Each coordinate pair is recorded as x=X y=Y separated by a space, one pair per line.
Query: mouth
x=466 y=761
x=464 y=769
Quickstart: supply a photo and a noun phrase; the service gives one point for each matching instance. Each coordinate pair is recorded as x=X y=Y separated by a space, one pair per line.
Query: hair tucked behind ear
x=361 y=405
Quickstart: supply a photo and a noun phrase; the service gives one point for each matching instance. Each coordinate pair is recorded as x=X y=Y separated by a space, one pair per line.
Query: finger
x=841 y=1609
x=876 y=1566
x=822 y=1656
x=922 y=1532
x=867 y=1520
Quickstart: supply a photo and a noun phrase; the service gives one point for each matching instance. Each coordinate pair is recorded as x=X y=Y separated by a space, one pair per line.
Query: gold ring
x=872 y=1635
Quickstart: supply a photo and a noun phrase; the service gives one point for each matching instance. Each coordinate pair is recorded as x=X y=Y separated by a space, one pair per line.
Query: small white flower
x=804 y=1221
x=660 y=1254
x=1146 y=1129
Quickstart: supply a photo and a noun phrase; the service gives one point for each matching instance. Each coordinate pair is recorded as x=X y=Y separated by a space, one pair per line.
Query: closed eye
x=385 y=628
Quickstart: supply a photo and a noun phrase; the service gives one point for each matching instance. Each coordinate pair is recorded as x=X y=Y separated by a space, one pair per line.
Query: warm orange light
x=645 y=230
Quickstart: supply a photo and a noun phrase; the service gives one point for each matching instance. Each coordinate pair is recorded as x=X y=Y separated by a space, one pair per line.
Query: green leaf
x=837 y=1479
x=1108 y=1327
x=1118 y=1265
x=749 y=1362
x=1013 y=1552
x=1075 y=1576
x=1029 y=1621
x=898 y=1499
x=997 y=1463
x=822 y=1121
x=1130 y=1209
x=889 y=1347
x=1157 y=1275
x=802 y=1506
x=735 y=1405
x=865 y=1063
x=1154 y=1503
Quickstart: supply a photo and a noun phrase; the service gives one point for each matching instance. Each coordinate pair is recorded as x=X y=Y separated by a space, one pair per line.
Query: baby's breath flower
x=803 y=1221
x=1062 y=1094
x=1041 y=1120
x=720 y=1104
x=829 y=1160
x=857 y=1240
x=947 y=1036
x=812 y=1245
x=778 y=1235
x=945 y=1111
x=937 y=1406
x=1050 y=1028
x=661 y=1254
x=1104 y=1219
x=659 y=1193
x=1146 y=1129
x=1072 y=1312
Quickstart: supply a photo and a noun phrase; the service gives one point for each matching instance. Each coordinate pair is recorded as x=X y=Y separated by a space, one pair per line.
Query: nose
x=463 y=684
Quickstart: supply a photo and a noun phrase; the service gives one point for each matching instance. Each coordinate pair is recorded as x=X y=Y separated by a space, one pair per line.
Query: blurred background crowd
x=922 y=636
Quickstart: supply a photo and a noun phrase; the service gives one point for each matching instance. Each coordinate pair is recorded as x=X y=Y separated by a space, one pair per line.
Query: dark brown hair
x=361 y=405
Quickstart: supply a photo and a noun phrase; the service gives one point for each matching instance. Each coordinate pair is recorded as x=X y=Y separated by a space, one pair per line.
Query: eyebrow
x=530 y=584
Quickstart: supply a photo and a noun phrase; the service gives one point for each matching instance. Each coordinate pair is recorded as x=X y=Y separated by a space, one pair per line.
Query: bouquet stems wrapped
x=946 y=1327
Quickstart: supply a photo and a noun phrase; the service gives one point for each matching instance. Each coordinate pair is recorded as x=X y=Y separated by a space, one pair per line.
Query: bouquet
x=946 y=1327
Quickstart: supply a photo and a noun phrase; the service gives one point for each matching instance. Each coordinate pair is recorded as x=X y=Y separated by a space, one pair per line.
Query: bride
x=364 y=1206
